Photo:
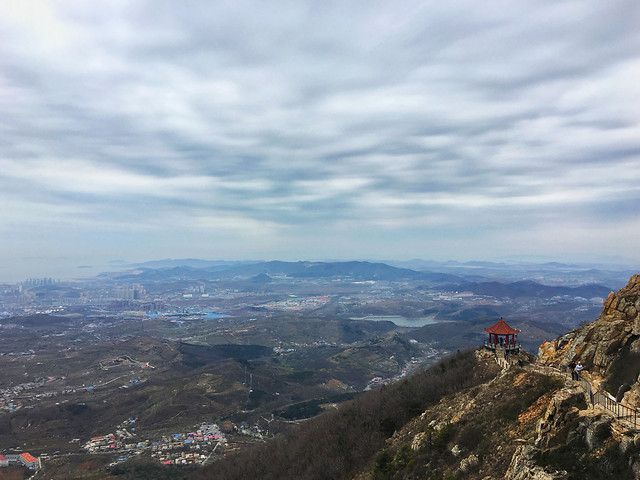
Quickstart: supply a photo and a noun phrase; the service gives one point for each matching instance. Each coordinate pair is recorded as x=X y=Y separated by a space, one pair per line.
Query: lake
x=399 y=320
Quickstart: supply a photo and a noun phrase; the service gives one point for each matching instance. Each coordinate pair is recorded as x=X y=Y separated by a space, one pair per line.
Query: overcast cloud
x=305 y=130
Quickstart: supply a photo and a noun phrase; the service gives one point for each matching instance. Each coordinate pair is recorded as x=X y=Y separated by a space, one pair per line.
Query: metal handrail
x=602 y=399
x=620 y=410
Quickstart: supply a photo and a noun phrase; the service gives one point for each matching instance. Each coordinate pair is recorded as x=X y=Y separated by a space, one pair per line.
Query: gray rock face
x=456 y=451
x=598 y=344
x=523 y=467
x=559 y=420
x=564 y=423
x=468 y=463
x=597 y=431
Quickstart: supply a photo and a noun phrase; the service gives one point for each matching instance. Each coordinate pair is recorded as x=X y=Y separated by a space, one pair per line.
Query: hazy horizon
x=63 y=270
x=140 y=130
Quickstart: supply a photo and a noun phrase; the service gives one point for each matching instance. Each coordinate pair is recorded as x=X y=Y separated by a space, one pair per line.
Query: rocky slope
x=609 y=348
x=533 y=422
x=521 y=425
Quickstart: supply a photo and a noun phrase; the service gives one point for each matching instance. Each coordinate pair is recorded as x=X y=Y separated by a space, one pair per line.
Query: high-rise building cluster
x=131 y=292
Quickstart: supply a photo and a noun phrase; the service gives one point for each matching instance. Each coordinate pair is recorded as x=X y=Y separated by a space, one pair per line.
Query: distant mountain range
x=266 y=272
x=358 y=271
x=528 y=288
x=189 y=262
x=550 y=273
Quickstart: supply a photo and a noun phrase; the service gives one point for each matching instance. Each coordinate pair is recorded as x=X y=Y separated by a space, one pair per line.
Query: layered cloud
x=324 y=129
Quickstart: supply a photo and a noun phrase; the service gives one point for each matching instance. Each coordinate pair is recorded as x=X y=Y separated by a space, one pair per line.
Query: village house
x=29 y=461
x=24 y=459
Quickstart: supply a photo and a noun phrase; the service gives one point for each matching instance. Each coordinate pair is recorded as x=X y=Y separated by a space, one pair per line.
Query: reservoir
x=399 y=320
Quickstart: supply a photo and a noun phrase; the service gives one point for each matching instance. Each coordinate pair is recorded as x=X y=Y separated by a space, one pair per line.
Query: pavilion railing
x=508 y=347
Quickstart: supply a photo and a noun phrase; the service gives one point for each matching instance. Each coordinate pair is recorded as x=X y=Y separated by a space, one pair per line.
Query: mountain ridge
x=359 y=271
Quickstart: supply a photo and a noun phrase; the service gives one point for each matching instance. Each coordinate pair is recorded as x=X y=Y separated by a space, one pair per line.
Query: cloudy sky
x=137 y=130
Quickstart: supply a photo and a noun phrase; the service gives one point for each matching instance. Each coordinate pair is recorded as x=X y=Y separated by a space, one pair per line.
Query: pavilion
x=502 y=336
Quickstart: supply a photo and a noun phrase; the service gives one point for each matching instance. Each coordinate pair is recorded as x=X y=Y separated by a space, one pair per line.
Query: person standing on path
x=579 y=368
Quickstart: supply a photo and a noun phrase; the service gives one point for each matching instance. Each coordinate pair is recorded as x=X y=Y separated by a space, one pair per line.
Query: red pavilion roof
x=501 y=328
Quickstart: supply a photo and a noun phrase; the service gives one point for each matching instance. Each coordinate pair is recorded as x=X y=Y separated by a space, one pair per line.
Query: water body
x=206 y=315
x=399 y=320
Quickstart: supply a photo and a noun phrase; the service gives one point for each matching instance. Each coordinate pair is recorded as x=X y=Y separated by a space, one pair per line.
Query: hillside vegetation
x=343 y=442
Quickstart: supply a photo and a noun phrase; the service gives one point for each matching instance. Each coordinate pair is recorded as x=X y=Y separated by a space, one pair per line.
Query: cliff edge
x=609 y=347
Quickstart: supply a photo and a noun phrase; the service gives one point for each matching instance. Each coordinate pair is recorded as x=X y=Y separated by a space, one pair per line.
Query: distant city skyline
x=137 y=130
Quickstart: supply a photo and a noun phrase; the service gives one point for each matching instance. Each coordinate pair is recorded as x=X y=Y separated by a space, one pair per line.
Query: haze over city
x=135 y=130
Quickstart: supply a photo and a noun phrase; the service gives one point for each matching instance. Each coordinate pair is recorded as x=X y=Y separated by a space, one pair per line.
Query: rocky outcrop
x=468 y=463
x=523 y=467
x=598 y=344
x=560 y=418
x=567 y=422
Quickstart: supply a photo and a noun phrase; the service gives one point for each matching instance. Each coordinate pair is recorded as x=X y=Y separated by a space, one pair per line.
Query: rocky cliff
x=607 y=346
x=532 y=421
x=574 y=441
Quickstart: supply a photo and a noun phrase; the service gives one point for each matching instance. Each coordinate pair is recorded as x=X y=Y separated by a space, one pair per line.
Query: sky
x=292 y=130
